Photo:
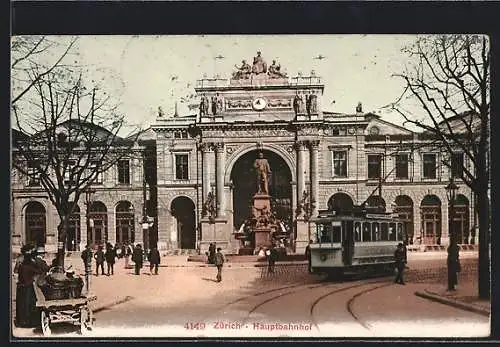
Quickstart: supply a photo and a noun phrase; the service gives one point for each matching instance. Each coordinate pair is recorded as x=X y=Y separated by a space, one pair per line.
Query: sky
x=145 y=72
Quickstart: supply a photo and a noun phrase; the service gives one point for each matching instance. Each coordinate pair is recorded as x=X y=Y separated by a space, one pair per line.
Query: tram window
x=400 y=232
x=392 y=231
x=385 y=232
x=336 y=232
x=376 y=232
x=367 y=232
x=357 y=231
x=319 y=232
x=325 y=234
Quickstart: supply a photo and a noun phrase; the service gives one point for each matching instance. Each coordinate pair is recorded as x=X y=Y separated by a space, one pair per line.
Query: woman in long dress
x=26 y=313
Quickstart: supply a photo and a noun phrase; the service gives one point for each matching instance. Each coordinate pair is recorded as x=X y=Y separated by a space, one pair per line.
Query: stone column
x=205 y=148
x=300 y=146
x=219 y=154
x=83 y=229
x=313 y=148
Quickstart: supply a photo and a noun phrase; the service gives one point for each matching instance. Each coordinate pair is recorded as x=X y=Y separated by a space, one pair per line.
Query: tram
x=353 y=242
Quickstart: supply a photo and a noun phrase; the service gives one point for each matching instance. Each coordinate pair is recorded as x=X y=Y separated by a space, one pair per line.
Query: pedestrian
x=19 y=260
x=154 y=260
x=400 y=258
x=40 y=260
x=211 y=253
x=99 y=260
x=272 y=257
x=128 y=253
x=110 y=259
x=26 y=312
x=118 y=251
x=137 y=258
x=87 y=265
x=219 y=262
x=453 y=263
x=308 y=256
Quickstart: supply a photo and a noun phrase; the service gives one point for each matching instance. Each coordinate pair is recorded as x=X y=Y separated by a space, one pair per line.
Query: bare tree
x=72 y=137
x=449 y=78
x=34 y=57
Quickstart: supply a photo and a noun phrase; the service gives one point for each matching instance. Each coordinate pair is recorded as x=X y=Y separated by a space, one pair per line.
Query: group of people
x=127 y=251
x=30 y=266
x=272 y=255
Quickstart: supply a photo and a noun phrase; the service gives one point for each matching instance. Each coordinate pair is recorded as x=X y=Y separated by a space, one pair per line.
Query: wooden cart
x=76 y=311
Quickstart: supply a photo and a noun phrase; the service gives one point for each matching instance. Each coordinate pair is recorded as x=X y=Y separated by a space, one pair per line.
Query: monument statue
x=263 y=171
x=259 y=65
x=312 y=104
x=217 y=104
x=274 y=70
x=298 y=104
x=359 y=108
x=204 y=106
x=242 y=72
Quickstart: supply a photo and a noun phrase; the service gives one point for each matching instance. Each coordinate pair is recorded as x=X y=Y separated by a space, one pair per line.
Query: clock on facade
x=259 y=104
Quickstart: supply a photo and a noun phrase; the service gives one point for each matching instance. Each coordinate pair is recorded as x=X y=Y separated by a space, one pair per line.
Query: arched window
x=35 y=224
x=125 y=223
x=430 y=214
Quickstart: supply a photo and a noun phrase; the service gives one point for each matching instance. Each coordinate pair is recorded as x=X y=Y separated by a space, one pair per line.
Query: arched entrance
x=244 y=180
x=375 y=204
x=460 y=225
x=98 y=226
x=430 y=214
x=125 y=222
x=404 y=211
x=35 y=224
x=73 y=233
x=340 y=203
x=183 y=211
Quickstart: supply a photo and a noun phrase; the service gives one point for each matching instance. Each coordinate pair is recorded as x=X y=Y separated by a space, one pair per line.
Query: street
x=249 y=302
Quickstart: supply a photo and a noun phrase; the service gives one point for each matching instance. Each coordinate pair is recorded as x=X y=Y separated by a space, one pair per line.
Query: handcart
x=75 y=310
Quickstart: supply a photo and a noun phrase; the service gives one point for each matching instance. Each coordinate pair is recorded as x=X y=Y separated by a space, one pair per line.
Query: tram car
x=346 y=243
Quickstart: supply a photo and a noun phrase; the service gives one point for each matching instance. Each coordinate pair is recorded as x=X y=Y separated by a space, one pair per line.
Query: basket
x=60 y=287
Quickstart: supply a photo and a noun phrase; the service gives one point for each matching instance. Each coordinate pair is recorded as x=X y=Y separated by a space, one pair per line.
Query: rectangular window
x=123 y=172
x=340 y=164
x=402 y=166
x=69 y=167
x=374 y=166
x=181 y=166
x=33 y=173
x=457 y=165
x=94 y=165
x=429 y=165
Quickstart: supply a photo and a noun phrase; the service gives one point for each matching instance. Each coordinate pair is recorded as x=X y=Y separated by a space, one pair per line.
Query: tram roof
x=325 y=216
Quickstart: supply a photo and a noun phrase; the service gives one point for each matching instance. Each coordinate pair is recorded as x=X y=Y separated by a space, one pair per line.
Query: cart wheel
x=85 y=319
x=45 y=320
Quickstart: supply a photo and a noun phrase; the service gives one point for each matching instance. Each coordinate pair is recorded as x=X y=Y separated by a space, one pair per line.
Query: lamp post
x=90 y=224
x=453 y=254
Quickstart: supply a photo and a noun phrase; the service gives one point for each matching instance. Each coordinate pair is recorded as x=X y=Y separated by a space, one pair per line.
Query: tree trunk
x=61 y=238
x=484 y=244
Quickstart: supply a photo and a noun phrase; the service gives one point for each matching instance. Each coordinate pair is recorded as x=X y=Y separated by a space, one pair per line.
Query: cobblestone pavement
x=179 y=296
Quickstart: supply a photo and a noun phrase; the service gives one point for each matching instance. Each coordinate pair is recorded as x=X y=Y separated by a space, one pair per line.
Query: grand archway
x=125 y=232
x=244 y=182
x=35 y=224
x=183 y=211
x=404 y=210
x=340 y=203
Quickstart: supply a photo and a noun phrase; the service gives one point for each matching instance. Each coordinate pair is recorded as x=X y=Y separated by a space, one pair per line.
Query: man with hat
x=400 y=258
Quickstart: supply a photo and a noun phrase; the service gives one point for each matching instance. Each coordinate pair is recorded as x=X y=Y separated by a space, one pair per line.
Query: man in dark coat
x=87 y=265
x=99 y=260
x=308 y=255
x=137 y=258
x=400 y=257
x=154 y=260
x=453 y=263
x=219 y=262
x=110 y=258
x=211 y=253
x=272 y=257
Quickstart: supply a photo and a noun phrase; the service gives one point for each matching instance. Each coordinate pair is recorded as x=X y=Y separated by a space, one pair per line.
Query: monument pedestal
x=261 y=211
x=303 y=234
x=214 y=231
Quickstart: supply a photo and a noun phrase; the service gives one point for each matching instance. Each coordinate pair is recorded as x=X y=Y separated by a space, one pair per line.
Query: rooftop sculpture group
x=259 y=67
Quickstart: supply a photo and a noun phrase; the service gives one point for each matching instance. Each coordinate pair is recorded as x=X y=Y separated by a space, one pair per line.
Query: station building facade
x=197 y=178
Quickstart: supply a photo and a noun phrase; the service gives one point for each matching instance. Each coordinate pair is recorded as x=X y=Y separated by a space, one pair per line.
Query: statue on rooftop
x=259 y=65
x=242 y=72
x=274 y=70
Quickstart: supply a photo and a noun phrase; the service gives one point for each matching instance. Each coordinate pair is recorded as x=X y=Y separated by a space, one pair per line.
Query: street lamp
x=453 y=254
x=89 y=192
x=451 y=190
